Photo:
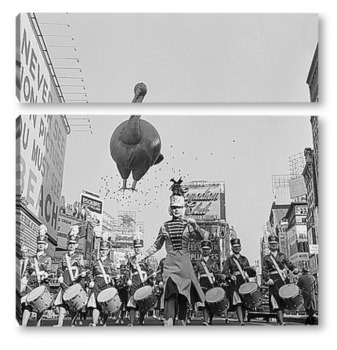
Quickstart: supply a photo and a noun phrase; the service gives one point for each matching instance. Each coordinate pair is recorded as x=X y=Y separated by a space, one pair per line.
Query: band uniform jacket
x=96 y=275
x=213 y=269
x=176 y=234
x=77 y=267
x=135 y=278
x=231 y=269
x=270 y=272
x=44 y=265
x=24 y=275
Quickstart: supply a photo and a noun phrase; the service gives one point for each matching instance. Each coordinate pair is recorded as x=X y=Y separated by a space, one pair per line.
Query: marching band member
x=71 y=270
x=122 y=288
x=38 y=271
x=24 y=275
x=238 y=271
x=159 y=289
x=138 y=277
x=180 y=282
x=209 y=274
x=101 y=278
x=274 y=274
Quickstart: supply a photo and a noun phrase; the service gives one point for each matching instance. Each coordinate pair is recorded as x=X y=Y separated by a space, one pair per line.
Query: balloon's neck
x=131 y=134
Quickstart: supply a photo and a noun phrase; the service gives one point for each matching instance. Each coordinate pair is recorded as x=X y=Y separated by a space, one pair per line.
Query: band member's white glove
x=129 y=283
x=160 y=284
x=91 y=284
x=44 y=275
x=60 y=279
x=118 y=276
x=270 y=282
x=296 y=271
x=192 y=222
x=83 y=274
x=233 y=278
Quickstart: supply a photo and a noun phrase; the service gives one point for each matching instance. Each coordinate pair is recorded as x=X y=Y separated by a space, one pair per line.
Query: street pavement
x=150 y=321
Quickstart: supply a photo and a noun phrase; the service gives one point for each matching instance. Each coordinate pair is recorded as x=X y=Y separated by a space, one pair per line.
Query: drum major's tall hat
x=137 y=241
x=178 y=191
x=42 y=235
x=235 y=242
x=104 y=245
x=206 y=244
x=73 y=236
x=273 y=239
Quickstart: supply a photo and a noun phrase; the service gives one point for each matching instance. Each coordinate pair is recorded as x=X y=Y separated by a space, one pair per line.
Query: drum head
x=288 y=291
x=72 y=291
x=215 y=294
x=106 y=294
x=35 y=293
x=248 y=288
x=142 y=293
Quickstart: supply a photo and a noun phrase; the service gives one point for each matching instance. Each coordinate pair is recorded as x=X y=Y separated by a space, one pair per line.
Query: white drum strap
x=210 y=277
x=280 y=272
x=37 y=270
x=140 y=272
x=69 y=268
x=103 y=271
x=243 y=274
x=24 y=267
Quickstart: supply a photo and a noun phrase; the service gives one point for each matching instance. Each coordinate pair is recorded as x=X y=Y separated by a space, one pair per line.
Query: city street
x=150 y=321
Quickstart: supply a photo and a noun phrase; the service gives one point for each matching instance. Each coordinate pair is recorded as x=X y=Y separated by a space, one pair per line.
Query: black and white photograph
x=182 y=57
x=147 y=220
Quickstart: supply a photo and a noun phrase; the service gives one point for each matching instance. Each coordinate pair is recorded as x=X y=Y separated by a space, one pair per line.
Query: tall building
x=312 y=215
x=281 y=189
x=312 y=79
x=297 y=234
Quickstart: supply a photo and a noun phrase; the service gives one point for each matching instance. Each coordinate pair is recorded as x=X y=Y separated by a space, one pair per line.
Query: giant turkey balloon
x=135 y=144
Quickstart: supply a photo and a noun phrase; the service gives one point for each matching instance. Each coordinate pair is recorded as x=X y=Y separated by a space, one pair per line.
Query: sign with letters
x=41 y=146
x=35 y=83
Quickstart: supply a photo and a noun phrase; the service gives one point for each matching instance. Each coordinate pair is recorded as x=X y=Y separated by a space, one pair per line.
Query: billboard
x=34 y=81
x=205 y=200
x=41 y=145
x=93 y=206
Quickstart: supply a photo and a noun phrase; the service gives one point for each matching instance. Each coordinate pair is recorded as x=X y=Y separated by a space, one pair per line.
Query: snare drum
x=109 y=300
x=75 y=297
x=217 y=300
x=251 y=295
x=40 y=299
x=145 y=298
x=291 y=296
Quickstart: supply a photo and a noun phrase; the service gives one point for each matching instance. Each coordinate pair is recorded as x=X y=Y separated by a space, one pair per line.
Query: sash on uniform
x=243 y=274
x=69 y=268
x=280 y=272
x=103 y=271
x=210 y=278
x=37 y=270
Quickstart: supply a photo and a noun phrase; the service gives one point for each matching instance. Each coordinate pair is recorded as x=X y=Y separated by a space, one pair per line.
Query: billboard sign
x=34 y=81
x=93 y=206
x=41 y=145
x=205 y=200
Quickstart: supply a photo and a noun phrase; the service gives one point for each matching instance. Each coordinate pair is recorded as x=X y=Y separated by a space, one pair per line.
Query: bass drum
x=40 y=299
x=251 y=295
x=109 y=300
x=291 y=296
x=217 y=300
x=75 y=297
x=145 y=298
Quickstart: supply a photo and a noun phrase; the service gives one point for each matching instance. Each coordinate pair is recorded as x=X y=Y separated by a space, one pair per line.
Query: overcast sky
x=183 y=57
x=243 y=151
